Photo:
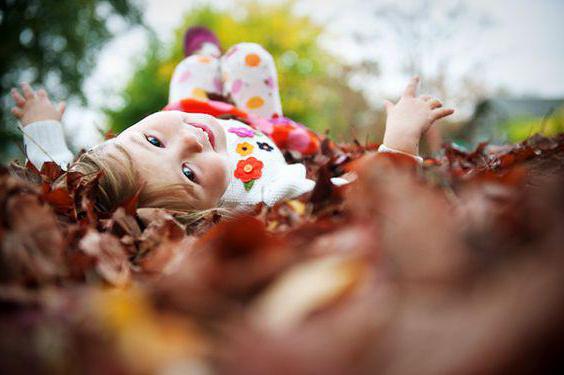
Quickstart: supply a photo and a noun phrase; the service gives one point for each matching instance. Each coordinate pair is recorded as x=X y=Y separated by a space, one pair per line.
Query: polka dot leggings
x=245 y=73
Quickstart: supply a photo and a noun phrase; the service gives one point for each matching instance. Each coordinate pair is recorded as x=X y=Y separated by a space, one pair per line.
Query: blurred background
x=500 y=63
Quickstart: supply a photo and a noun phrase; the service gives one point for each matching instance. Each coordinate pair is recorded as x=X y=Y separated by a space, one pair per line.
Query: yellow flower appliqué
x=244 y=148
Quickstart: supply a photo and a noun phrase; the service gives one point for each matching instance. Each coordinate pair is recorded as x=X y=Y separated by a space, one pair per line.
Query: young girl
x=225 y=155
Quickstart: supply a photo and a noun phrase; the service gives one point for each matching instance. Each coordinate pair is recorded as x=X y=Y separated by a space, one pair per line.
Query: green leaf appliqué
x=249 y=185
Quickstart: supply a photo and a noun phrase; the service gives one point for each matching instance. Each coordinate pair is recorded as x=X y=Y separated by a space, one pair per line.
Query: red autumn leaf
x=130 y=204
x=59 y=198
x=109 y=134
x=162 y=244
x=32 y=246
x=29 y=166
x=110 y=259
x=236 y=238
x=50 y=171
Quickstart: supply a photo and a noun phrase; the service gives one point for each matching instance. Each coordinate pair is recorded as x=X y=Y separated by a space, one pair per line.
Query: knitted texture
x=258 y=172
x=45 y=141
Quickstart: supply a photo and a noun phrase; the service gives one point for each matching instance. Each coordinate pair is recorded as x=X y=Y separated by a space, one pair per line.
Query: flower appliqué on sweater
x=242 y=132
x=245 y=148
x=265 y=146
x=248 y=171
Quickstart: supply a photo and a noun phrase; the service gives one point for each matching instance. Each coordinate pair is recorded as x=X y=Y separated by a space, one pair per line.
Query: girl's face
x=186 y=150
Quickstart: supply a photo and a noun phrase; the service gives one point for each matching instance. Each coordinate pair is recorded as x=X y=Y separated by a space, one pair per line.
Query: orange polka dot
x=252 y=59
x=199 y=93
x=255 y=102
x=204 y=59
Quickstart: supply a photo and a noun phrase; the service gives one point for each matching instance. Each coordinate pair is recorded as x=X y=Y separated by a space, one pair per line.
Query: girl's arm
x=409 y=119
x=40 y=122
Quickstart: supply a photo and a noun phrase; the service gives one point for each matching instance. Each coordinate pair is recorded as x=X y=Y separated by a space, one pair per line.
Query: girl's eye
x=188 y=172
x=154 y=141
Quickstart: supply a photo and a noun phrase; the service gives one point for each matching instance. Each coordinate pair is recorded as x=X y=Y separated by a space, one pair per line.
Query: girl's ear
x=290 y=182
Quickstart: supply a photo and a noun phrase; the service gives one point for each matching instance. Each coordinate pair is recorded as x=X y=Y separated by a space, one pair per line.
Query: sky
x=521 y=51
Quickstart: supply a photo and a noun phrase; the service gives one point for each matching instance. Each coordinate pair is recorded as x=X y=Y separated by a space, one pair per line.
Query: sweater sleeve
x=383 y=148
x=45 y=141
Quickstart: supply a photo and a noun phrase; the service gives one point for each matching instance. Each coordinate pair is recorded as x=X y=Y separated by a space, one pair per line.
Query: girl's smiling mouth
x=207 y=130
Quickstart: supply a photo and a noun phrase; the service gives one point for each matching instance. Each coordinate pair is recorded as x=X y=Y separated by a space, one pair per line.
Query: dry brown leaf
x=111 y=261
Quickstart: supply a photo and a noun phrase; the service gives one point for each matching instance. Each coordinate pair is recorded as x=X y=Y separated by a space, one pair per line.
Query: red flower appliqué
x=248 y=170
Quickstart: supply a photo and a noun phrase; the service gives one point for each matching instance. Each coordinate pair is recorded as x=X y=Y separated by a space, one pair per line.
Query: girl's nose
x=190 y=143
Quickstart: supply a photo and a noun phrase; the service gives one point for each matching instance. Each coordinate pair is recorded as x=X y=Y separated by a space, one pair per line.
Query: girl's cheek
x=134 y=148
x=225 y=171
x=220 y=174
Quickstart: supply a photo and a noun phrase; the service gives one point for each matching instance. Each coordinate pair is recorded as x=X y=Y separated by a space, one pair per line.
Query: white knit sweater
x=45 y=141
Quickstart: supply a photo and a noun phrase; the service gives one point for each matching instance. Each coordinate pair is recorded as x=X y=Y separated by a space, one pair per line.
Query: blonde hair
x=120 y=181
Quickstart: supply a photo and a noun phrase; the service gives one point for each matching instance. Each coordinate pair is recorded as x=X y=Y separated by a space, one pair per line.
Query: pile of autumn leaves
x=456 y=266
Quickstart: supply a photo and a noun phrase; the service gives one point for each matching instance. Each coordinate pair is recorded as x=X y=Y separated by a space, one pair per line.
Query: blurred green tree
x=54 y=43
x=519 y=129
x=313 y=83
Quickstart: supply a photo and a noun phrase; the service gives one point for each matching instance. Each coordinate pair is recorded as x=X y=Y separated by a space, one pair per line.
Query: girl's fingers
x=42 y=93
x=426 y=98
x=439 y=113
x=61 y=107
x=17 y=112
x=18 y=98
x=411 y=88
x=28 y=91
x=388 y=105
x=435 y=103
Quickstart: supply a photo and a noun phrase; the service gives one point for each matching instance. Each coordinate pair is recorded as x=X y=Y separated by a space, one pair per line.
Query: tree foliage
x=520 y=129
x=54 y=43
x=313 y=82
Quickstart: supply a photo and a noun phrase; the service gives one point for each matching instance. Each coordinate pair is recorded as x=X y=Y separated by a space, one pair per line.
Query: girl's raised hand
x=410 y=118
x=35 y=106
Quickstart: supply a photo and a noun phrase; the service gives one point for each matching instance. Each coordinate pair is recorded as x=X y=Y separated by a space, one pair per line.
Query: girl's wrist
x=404 y=143
x=31 y=119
